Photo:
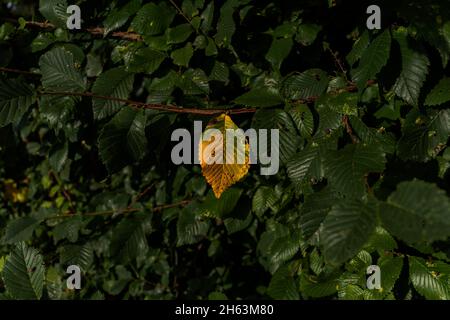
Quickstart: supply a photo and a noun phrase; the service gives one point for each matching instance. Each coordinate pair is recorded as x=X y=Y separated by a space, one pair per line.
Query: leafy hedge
x=86 y=176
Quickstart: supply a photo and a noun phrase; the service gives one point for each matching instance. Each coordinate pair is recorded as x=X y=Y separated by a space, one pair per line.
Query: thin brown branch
x=349 y=129
x=338 y=62
x=152 y=106
x=120 y=211
x=180 y=11
x=95 y=31
x=27 y=73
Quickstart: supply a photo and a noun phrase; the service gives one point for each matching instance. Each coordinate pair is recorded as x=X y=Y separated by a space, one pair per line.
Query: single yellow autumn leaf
x=222 y=166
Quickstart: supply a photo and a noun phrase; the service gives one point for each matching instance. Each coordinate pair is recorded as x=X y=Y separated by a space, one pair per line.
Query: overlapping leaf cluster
x=86 y=176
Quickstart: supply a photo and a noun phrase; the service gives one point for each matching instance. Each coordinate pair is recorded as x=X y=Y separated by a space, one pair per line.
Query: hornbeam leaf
x=417 y=211
x=414 y=70
x=440 y=93
x=122 y=140
x=116 y=83
x=427 y=282
x=308 y=84
x=231 y=169
x=54 y=11
x=346 y=229
x=373 y=60
x=345 y=168
x=59 y=72
x=23 y=273
x=15 y=98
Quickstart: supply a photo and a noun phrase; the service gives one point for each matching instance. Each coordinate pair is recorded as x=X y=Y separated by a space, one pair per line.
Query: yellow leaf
x=235 y=162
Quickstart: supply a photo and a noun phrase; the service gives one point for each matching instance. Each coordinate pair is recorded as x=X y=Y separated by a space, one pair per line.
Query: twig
x=120 y=211
x=349 y=129
x=180 y=11
x=95 y=31
x=153 y=106
x=28 y=73
x=338 y=62
x=140 y=195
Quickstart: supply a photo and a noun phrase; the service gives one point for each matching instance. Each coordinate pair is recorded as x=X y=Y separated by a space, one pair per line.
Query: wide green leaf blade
x=427 y=282
x=128 y=241
x=59 y=71
x=440 y=93
x=23 y=273
x=345 y=169
x=373 y=60
x=414 y=70
x=417 y=211
x=122 y=141
x=346 y=229
x=116 y=83
x=16 y=97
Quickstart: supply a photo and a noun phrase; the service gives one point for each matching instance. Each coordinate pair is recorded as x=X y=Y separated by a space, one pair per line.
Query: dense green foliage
x=364 y=123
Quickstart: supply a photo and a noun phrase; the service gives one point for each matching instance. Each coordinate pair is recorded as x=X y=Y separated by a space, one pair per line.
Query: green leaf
x=54 y=283
x=153 y=19
x=306 y=165
x=440 y=93
x=346 y=229
x=358 y=48
x=313 y=212
x=118 y=17
x=381 y=241
x=344 y=103
x=15 y=98
x=122 y=140
x=220 y=207
x=116 y=83
x=278 y=51
x=282 y=285
x=390 y=271
x=182 y=56
x=68 y=229
x=303 y=119
x=59 y=71
x=54 y=11
x=207 y=17
x=238 y=223
x=190 y=227
x=20 y=229
x=427 y=282
x=345 y=169
x=281 y=120
x=226 y=25
x=373 y=60
x=23 y=273
x=146 y=60
x=219 y=72
x=264 y=198
x=58 y=157
x=128 y=241
x=259 y=97
x=179 y=34
x=417 y=212
x=80 y=255
x=308 y=84
x=414 y=70
x=307 y=33
x=160 y=89
x=423 y=137
x=317 y=288
x=194 y=82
